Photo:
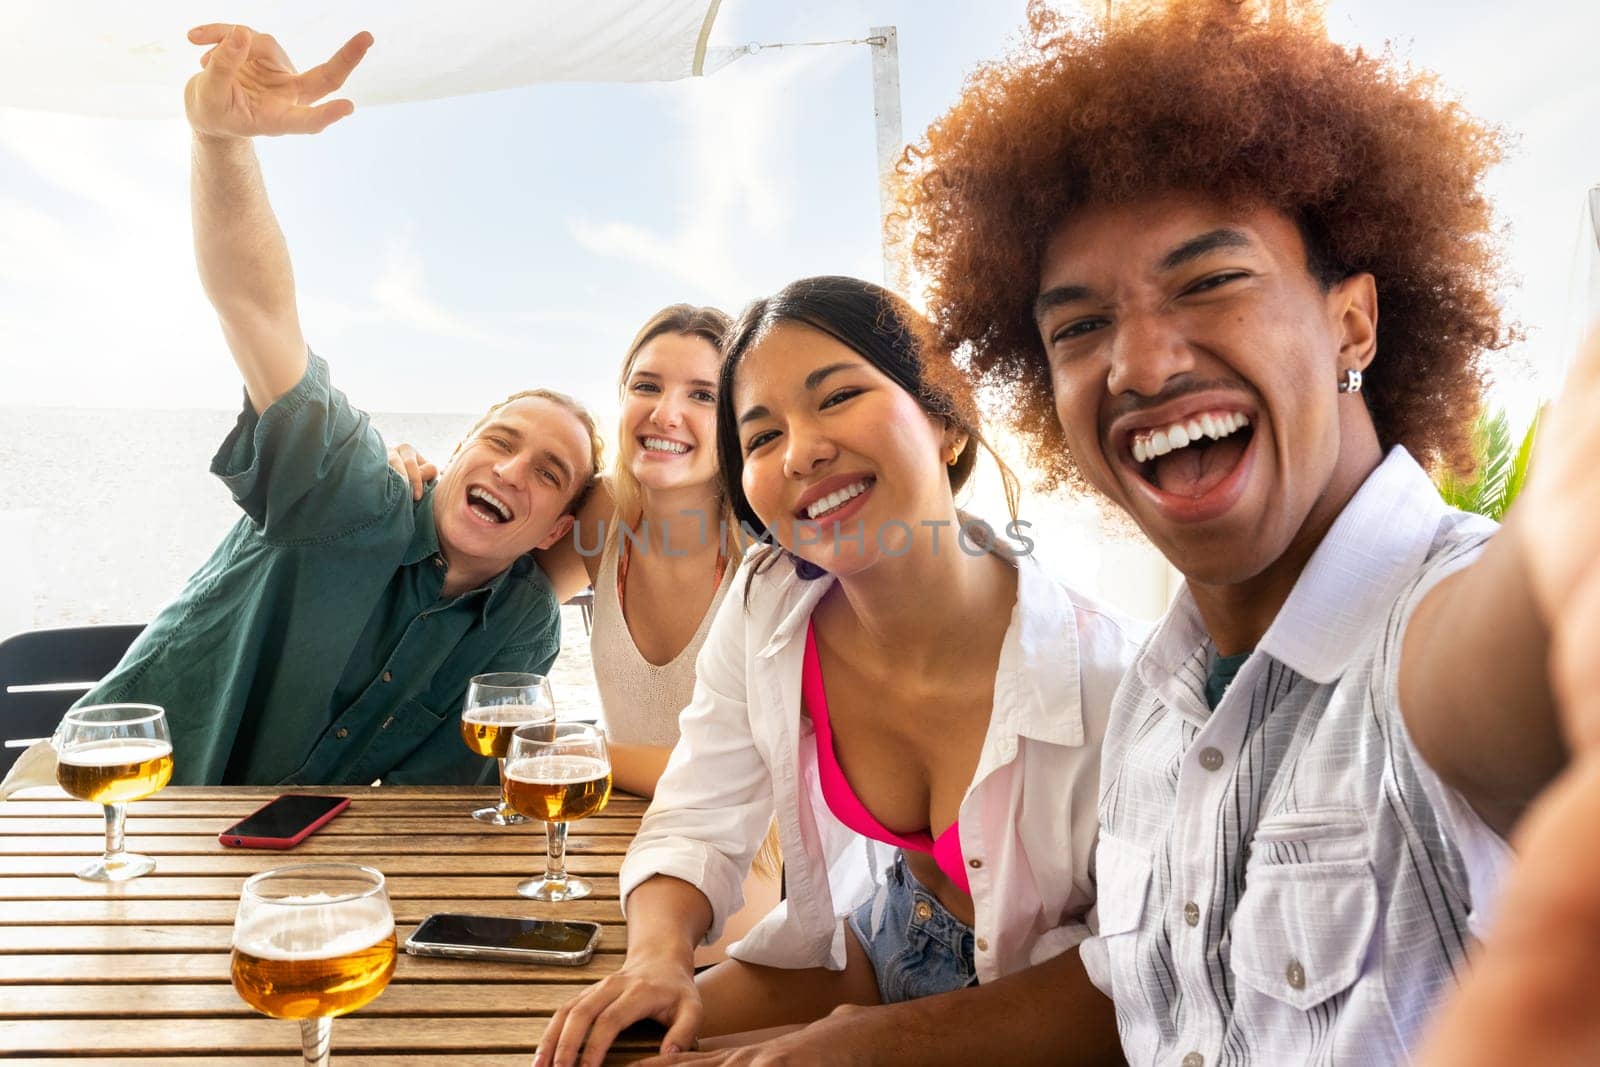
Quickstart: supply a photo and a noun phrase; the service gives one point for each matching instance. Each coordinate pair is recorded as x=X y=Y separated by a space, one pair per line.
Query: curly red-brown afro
x=1381 y=171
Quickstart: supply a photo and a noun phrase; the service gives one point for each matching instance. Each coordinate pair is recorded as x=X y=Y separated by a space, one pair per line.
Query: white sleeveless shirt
x=639 y=701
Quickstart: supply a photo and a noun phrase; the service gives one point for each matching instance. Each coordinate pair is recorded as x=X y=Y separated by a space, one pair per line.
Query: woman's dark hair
x=882 y=329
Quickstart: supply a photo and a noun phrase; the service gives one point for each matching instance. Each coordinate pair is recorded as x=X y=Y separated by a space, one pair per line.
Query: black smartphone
x=284 y=822
x=496 y=938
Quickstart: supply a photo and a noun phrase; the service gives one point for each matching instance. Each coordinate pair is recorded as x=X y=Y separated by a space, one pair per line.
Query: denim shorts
x=917 y=948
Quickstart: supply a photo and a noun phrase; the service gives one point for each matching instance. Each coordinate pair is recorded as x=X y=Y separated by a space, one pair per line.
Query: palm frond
x=1495 y=455
x=1524 y=461
x=1500 y=468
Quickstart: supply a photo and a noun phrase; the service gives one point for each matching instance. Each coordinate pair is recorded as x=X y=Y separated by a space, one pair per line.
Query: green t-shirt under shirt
x=1220 y=675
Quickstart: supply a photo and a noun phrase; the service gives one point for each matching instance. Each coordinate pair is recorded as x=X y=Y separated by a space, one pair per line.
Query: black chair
x=585 y=602
x=43 y=671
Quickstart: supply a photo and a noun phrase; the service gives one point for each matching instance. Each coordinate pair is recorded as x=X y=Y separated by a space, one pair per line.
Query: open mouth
x=836 y=501
x=486 y=506
x=1192 y=456
x=663 y=446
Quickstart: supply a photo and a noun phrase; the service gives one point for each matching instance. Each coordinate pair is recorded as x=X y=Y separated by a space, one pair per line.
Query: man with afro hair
x=1238 y=279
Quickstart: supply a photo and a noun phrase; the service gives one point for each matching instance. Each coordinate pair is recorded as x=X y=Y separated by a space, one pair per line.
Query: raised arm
x=1473 y=681
x=247 y=87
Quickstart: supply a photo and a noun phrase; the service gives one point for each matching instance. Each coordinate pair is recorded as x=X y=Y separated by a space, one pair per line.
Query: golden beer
x=116 y=770
x=315 y=983
x=487 y=730
x=558 y=788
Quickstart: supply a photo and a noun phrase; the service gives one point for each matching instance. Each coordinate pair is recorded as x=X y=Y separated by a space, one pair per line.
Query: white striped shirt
x=1284 y=880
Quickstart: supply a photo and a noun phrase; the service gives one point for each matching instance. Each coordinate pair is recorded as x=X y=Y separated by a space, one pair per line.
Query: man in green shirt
x=331 y=636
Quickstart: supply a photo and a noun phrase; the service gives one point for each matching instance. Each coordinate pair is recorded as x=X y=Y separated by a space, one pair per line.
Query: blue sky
x=452 y=251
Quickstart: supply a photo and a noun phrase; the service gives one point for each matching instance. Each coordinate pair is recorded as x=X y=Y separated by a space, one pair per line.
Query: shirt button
x=924 y=911
x=1191 y=913
x=983 y=944
x=974 y=864
x=1296 y=975
x=387 y=676
x=341 y=733
x=1210 y=759
x=438 y=561
x=1194 y=1059
x=387 y=723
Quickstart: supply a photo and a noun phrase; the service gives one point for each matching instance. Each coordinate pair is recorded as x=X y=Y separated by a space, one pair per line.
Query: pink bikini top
x=842 y=800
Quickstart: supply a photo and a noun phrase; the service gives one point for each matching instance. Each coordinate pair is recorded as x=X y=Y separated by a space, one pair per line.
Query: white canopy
x=130 y=60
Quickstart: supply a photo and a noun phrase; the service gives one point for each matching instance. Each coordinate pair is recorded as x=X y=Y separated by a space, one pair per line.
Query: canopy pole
x=891 y=140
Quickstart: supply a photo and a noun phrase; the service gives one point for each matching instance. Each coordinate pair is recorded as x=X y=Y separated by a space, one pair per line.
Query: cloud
x=400 y=296
x=738 y=190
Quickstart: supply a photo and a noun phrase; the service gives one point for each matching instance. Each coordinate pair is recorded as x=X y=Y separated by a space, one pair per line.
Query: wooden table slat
x=602 y=908
x=389 y=794
x=620 y=807
x=342 y=826
x=194 y=937
x=188 y=1000
x=352 y=1033
x=444 y=880
x=111 y=969
x=340 y=1058
x=508 y=843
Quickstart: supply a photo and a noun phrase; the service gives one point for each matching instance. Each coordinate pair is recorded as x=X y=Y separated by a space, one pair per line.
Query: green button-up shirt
x=314 y=646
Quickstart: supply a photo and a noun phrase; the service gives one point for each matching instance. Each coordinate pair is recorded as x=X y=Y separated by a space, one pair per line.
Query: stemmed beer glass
x=111 y=754
x=496 y=705
x=558 y=775
x=312 y=942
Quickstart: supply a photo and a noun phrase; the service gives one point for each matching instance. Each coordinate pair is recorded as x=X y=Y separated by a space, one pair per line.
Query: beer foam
x=115 y=752
x=318 y=931
x=557 y=769
x=503 y=714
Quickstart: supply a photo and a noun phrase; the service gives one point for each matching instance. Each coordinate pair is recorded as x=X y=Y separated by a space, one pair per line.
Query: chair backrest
x=43 y=671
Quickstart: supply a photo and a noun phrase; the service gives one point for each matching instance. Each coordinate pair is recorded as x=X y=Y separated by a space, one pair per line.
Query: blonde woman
x=657 y=540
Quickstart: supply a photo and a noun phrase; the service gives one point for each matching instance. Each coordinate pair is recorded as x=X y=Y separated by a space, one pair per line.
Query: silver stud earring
x=1352 y=381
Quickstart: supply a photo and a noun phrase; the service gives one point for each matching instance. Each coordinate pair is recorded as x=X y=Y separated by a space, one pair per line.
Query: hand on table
x=589 y=1022
x=248 y=87
x=410 y=464
x=838 y=1040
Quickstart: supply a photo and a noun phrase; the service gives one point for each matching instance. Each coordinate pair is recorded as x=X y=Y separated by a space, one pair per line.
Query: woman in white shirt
x=922 y=709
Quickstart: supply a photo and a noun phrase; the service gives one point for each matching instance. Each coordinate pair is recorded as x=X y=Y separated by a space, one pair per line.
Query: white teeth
x=1148 y=444
x=486 y=497
x=661 y=444
x=834 y=499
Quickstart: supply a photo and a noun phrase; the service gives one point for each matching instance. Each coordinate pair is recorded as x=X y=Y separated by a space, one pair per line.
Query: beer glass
x=110 y=754
x=558 y=775
x=497 y=704
x=312 y=942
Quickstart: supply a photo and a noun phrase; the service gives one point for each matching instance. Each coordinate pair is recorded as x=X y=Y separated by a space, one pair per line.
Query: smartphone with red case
x=284 y=822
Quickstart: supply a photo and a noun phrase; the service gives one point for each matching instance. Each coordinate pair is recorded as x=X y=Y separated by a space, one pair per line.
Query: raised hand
x=1557 y=518
x=247 y=86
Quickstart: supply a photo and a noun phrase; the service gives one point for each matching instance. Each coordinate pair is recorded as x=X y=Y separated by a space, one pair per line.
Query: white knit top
x=640 y=701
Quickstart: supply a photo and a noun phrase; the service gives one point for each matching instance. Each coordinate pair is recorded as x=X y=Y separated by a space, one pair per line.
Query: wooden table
x=137 y=973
